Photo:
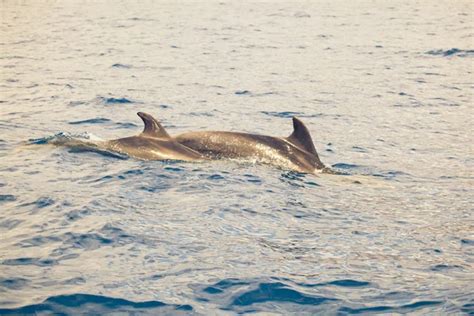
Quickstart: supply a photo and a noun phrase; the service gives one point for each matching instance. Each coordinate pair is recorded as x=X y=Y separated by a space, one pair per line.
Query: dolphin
x=154 y=143
x=295 y=152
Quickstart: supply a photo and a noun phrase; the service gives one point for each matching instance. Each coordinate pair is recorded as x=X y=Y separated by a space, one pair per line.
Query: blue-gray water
x=386 y=89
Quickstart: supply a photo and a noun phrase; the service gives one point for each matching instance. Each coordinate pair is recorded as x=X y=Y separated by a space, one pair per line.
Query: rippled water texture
x=385 y=87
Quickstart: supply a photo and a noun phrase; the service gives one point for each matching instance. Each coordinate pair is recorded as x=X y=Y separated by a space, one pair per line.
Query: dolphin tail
x=301 y=137
x=153 y=128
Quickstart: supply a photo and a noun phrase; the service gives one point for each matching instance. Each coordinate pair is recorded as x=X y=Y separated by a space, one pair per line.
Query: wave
x=243 y=296
x=87 y=304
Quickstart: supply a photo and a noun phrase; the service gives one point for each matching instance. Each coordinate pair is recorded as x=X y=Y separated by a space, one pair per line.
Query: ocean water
x=386 y=89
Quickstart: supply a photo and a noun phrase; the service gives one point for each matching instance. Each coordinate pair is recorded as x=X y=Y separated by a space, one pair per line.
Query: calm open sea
x=385 y=87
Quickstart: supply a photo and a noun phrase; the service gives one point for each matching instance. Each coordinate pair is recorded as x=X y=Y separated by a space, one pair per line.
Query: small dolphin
x=295 y=152
x=153 y=143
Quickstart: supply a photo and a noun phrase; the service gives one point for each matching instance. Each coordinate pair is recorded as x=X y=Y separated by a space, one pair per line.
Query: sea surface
x=385 y=87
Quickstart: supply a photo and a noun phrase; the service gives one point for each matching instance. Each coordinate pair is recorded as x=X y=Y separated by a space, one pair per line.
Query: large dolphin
x=153 y=143
x=295 y=152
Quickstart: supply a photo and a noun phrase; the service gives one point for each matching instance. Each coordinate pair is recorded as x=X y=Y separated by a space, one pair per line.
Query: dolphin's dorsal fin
x=301 y=137
x=152 y=128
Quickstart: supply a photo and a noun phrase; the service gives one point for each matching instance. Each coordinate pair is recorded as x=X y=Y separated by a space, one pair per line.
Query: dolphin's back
x=153 y=149
x=225 y=144
x=253 y=147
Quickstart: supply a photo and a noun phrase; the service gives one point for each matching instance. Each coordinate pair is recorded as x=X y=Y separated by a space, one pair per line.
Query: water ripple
x=390 y=309
x=451 y=52
x=42 y=202
x=113 y=100
x=30 y=261
x=7 y=198
x=98 y=120
x=242 y=92
x=124 y=66
x=13 y=283
x=289 y=114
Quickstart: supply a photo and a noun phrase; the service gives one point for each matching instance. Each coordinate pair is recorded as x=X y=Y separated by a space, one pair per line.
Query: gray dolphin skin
x=295 y=152
x=153 y=143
